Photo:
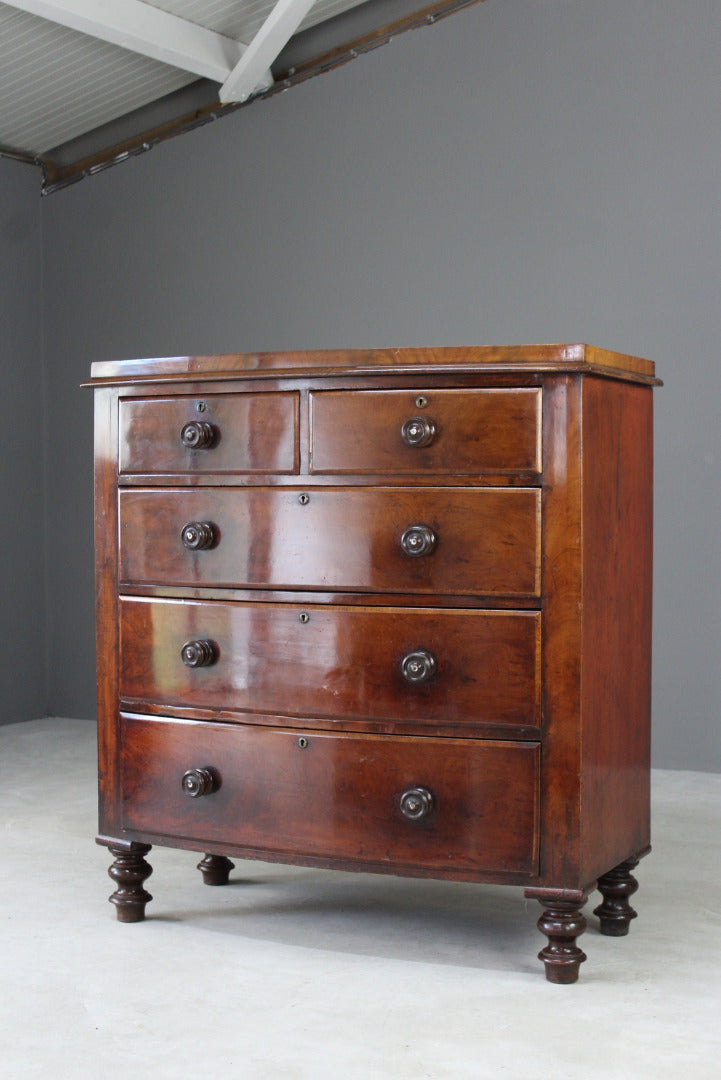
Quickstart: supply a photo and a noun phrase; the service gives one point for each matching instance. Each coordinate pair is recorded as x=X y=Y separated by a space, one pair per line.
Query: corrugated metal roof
x=243 y=20
x=85 y=85
x=57 y=83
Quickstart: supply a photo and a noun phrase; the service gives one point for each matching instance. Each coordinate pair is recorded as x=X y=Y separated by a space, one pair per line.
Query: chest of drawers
x=379 y=610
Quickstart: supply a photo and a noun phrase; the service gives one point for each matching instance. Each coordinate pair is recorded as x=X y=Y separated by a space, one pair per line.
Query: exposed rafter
x=85 y=107
x=144 y=29
x=248 y=74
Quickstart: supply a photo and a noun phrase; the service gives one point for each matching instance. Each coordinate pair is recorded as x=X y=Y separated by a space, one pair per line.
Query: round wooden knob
x=416 y=803
x=418 y=667
x=418 y=431
x=199 y=782
x=198 y=653
x=197 y=435
x=418 y=540
x=198 y=535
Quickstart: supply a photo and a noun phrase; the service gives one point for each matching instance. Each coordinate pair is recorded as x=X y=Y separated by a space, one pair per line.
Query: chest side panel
x=617 y=540
x=562 y=607
x=106 y=605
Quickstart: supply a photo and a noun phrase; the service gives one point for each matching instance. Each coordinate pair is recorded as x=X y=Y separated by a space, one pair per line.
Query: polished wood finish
x=339 y=662
x=473 y=431
x=616 y=671
x=255 y=433
x=272 y=782
x=129 y=870
x=488 y=540
x=562 y=922
x=215 y=869
x=106 y=608
x=468 y=360
x=424 y=655
x=615 y=912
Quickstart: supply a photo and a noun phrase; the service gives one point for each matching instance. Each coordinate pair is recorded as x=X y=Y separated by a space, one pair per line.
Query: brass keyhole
x=302 y=743
x=421 y=401
x=304 y=617
x=304 y=499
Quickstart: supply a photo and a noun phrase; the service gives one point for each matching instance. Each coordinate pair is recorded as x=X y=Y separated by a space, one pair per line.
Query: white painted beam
x=251 y=70
x=147 y=30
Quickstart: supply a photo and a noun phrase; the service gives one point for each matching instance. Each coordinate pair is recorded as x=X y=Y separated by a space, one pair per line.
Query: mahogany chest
x=381 y=610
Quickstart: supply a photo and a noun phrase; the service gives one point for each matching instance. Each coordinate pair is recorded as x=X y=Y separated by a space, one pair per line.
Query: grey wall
x=22 y=584
x=517 y=173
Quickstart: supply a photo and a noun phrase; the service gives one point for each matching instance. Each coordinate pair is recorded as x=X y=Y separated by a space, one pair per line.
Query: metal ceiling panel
x=57 y=83
x=242 y=20
x=73 y=101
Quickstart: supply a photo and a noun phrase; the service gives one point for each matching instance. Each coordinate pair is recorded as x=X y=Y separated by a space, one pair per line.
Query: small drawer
x=454 y=806
x=215 y=433
x=477 y=541
x=461 y=432
x=415 y=665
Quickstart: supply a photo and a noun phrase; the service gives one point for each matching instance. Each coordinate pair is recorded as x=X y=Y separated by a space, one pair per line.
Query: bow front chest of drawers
x=379 y=610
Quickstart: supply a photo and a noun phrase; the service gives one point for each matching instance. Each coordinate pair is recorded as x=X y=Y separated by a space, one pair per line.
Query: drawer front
x=334 y=796
x=430 y=431
x=216 y=433
x=410 y=664
x=484 y=541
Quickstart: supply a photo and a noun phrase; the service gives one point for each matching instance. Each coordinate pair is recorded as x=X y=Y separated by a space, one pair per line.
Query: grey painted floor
x=294 y=973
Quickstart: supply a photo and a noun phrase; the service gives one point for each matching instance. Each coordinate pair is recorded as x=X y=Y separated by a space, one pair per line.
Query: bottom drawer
x=439 y=805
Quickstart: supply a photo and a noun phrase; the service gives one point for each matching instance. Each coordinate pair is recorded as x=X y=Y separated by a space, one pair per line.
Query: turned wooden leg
x=562 y=922
x=215 y=869
x=616 y=887
x=129 y=871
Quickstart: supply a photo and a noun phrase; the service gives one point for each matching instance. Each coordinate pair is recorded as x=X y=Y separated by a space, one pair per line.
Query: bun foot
x=615 y=913
x=129 y=871
x=561 y=922
x=215 y=869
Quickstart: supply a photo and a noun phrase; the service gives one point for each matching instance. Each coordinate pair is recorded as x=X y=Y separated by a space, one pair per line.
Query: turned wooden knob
x=418 y=540
x=416 y=803
x=198 y=535
x=199 y=653
x=198 y=782
x=418 y=667
x=197 y=435
x=418 y=431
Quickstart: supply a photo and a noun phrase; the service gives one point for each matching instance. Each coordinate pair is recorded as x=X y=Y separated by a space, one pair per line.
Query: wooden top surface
x=523 y=359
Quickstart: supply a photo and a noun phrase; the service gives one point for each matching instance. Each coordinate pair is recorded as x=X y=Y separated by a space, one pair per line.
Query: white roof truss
x=152 y=32
x=279 y=27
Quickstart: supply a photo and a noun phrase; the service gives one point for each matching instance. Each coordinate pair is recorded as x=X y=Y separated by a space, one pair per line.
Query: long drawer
x=412 y=664
x=423 y=540
x=435 y=431
x=215 y=433
x=451 y=805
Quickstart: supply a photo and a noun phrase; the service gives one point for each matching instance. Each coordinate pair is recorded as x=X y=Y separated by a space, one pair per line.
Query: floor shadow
x=394 y=918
